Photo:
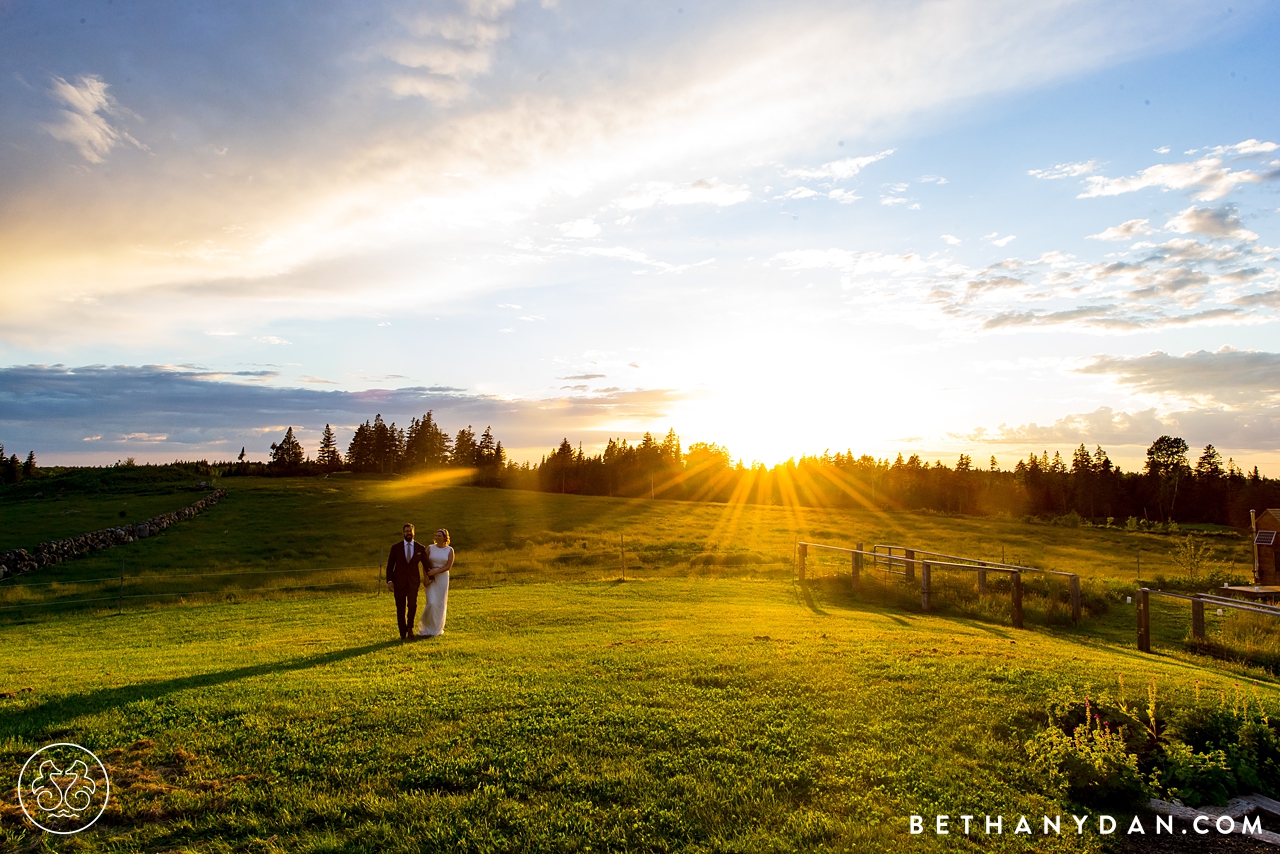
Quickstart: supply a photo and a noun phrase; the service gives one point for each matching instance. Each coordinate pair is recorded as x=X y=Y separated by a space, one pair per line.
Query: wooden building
x=1265 y=527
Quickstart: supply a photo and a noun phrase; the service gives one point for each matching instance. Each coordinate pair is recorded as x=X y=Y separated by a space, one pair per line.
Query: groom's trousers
x=406 y=610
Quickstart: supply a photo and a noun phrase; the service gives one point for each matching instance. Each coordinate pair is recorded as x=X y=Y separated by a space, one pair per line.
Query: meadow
x=705 y=703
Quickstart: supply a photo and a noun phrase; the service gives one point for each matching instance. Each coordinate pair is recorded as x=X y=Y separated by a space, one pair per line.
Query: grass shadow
x=59 y=710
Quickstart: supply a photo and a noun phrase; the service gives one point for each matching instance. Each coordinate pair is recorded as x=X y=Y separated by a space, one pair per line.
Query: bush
x=1203 y=753
x=1200 y=779
x=1091 y=766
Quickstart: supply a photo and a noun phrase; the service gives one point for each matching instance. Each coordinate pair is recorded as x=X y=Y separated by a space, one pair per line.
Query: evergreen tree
x=327 y=457
x=1210 y=463
x=464 y=449
x=360 y=451
x=29 y=467
x=288 y=454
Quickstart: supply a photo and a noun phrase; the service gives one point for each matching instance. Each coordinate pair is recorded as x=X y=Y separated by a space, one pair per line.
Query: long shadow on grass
x=62 y=709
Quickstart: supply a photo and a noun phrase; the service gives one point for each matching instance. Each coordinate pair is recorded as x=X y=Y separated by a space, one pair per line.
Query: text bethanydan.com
x=1103 y=825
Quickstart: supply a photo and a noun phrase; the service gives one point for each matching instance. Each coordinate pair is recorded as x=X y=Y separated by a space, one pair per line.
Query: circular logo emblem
x=63 y=788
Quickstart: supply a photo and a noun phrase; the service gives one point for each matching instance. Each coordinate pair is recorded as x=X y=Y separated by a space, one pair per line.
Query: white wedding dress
x=431 y=623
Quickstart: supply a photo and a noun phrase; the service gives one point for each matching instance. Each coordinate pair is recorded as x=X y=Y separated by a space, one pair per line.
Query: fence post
x=982 y=580
x=1197 y=618
x=1144 y=620
x=1075 y=599
x=910 y=556
x=1017 y=600
x=801 y=552
x=857 y=569
x=924 y=586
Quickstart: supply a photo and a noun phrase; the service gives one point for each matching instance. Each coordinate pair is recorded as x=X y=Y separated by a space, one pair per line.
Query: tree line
x=380 y=448
x=1168 y=488
x=13 y=471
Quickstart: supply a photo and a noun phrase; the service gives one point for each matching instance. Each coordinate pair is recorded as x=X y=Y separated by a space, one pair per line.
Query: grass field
x=675 y=714
x=707 y=703
x=510 y=535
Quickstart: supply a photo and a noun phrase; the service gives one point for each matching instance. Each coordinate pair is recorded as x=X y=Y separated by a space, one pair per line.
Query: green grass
x=706 y=704
x=508 y=535
x=674 y=714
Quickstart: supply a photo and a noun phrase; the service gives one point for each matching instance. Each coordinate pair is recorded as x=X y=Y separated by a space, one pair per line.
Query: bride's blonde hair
x=444 y=531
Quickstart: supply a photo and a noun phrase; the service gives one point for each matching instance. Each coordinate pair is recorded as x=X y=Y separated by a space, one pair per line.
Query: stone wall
x=55 y=552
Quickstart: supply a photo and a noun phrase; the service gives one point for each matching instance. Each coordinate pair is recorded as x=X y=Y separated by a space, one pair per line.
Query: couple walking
x=403 y=565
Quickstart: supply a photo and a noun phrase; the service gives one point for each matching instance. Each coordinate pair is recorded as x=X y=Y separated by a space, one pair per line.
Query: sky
x=990 y=228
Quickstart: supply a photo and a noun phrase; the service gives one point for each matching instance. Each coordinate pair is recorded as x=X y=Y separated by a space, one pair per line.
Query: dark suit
x=405 y=575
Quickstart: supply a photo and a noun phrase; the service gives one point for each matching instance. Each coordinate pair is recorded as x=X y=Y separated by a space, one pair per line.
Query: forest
x=1088 y=488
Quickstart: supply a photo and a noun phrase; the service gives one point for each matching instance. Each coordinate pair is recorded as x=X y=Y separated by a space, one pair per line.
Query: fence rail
x=1197 y=601
x=926 y=562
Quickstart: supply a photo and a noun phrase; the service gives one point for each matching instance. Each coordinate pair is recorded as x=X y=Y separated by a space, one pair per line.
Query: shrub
x=1092 y=765
x=1199 y=779
x=1202 y=753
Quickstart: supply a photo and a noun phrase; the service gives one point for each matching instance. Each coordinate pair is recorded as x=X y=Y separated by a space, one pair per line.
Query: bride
x=439 y=562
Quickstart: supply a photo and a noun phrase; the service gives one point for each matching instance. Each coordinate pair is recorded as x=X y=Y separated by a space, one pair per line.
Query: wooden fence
x=923 y=562
x=1198 y=601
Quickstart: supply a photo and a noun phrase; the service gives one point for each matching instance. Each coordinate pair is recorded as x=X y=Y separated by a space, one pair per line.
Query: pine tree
x=29 y=467
x=327 y=457
x=288 y=455
x=360 y=452
x=1210 y=463
x=464 y=449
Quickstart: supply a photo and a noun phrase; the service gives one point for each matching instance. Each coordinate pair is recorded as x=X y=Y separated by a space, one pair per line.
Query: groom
x=403 y=579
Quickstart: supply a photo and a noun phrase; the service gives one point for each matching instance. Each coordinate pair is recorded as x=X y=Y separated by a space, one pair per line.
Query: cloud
x=839 y=170
x=166 y=411
x=952 y=240
x=1064 y=170
x=1207 y=176
x=1109 y=317
x=1254 y=430
x=700 y=192
x=635 y=256
x=1222 y=222
x=583 y=377
x=854 y=263
x=798 y=193
x=442 y=52
x=84 y=123
x=1249 y=146
x=271 y=339
x=1103 y=425
x=1226 y=376
x=1269 y=298
x=1125 y=231
x=580 y=228
x=995 y=239
x=844 y=197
